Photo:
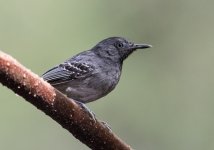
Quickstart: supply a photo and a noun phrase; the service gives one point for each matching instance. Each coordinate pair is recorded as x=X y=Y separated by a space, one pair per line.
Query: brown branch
x=60 y=108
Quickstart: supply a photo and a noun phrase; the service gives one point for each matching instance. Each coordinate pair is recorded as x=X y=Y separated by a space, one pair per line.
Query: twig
x=56 y=105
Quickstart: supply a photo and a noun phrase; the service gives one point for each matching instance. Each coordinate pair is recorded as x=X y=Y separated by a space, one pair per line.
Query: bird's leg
x=106 y=125
x=92 y=115
x=86 y=109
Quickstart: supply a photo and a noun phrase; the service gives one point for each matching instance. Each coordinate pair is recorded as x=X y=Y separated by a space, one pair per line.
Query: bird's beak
x=141 y=46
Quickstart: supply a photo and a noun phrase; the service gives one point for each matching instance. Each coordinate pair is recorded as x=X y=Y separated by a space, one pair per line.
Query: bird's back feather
x=66 y=72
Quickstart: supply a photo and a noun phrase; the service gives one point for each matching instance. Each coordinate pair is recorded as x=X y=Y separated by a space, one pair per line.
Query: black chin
x=127 y=53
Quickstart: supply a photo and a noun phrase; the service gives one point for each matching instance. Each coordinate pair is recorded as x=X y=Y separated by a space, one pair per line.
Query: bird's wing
x=66 y=72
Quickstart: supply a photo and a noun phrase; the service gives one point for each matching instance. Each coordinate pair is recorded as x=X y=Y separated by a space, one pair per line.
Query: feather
x=66 y=72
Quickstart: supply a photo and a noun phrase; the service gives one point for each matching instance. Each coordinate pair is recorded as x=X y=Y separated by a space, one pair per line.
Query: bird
x=94 y=73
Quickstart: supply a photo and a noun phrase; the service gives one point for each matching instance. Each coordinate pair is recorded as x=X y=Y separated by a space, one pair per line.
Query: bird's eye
x=119 y=45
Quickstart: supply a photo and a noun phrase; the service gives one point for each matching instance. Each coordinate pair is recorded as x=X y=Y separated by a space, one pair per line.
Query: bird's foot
x=106 y=125
x=86 y=109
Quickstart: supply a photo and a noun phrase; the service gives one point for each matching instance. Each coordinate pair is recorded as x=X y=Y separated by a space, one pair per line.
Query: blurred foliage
x=164 y=100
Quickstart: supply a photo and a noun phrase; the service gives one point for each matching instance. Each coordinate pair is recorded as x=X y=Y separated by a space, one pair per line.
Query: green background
x=165 y=97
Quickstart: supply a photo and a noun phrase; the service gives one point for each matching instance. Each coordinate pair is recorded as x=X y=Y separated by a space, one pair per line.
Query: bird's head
x=117 y=48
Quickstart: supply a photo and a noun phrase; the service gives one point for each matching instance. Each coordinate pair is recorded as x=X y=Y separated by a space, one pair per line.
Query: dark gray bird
x=94 y=73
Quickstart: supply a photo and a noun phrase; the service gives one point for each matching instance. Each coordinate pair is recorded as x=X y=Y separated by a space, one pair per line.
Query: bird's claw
x=86 y=109
x=106 y=125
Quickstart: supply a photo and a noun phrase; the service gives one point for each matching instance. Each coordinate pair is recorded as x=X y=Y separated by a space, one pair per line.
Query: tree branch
x=56 y=105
